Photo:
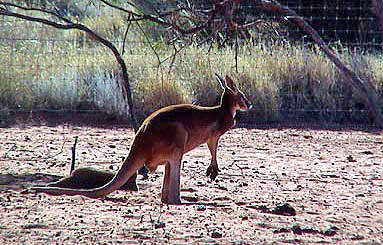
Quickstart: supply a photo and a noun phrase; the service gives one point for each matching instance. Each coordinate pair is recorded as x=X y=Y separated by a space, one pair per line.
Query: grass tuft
x=65 y=70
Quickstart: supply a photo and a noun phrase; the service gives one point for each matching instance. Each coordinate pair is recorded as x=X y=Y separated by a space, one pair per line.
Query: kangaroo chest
x=200 y=135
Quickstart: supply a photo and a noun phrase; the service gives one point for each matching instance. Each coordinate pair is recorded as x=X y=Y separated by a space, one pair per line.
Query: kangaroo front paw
x=131 y=184
x=212 y=172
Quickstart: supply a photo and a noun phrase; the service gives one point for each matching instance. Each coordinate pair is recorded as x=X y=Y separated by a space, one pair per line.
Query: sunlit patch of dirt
x=277 y=185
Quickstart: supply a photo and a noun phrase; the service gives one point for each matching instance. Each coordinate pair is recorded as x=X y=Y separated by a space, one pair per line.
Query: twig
x=141 y=219
x=173 y=56
x=236 y=53
x=118 y=7
x=150 y=43
x=13 y=147
x=235 y=163
x=58 y=153
x=37 y=10
x=126 y=35
x=73 y=155
x=250 y=24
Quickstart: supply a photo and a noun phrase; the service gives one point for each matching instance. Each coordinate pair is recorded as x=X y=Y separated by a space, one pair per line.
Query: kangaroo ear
x=221 y=81
x=230 y=84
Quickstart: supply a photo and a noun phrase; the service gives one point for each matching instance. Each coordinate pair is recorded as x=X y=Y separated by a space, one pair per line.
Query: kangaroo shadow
x=81 y=178
x=23 y=181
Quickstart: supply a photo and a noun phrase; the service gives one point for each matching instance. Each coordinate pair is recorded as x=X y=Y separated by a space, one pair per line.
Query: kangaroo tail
x=127 y=170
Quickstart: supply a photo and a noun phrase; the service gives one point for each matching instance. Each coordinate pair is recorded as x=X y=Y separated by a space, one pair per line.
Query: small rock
x=330 y=231
x=309 y=230
x=216 y=234
x=245 y=218
x=367 y=152
x=357 y=237
x=201 y=208
x=297 y=230
x=298 y=188
x=283 y=209
x=351 y=158
x=159 y=225
x=240 y=203
x=360 y=195
x=35 y=226
x=221 y=187
x=281 y=230
x=243 y=184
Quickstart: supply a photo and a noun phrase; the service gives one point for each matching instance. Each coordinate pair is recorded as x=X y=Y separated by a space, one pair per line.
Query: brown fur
x=90 y=178
x=165 y=136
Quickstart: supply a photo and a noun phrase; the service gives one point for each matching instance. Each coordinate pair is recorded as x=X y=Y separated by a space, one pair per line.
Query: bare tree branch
x=118 y=7
x=377 y=10
x=70 y=25
x=176 y=51
x=367 y=93
x=125 y=36
x=157 y=19
x=150 y=43
x=37 y=10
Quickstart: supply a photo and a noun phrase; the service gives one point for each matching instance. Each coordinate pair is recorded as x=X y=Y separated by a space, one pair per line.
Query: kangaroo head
x=232 y=96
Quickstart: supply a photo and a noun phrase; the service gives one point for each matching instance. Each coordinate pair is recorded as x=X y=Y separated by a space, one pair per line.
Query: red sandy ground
x=332 y=178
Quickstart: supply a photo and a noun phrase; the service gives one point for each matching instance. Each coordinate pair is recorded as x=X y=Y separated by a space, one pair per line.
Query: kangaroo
x=90 y=178
x=165 y=136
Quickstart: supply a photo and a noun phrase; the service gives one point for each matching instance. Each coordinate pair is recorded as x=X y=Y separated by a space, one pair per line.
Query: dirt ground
x=277 y=185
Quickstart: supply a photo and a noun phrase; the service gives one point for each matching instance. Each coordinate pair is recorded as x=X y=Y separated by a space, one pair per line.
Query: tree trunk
x=364 y=88
x=377 y=10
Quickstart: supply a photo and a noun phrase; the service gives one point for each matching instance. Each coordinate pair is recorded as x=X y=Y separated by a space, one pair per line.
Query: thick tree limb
x=365 y=90
x=377 y=10
x=67 y=25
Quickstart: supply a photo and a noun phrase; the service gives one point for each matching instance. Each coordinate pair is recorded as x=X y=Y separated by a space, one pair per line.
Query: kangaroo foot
x=212 y=172
x=171 y=202
x=131 y=184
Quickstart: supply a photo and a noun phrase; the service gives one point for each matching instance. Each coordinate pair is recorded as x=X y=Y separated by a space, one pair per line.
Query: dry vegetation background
x=331 y=177
x=65 y=70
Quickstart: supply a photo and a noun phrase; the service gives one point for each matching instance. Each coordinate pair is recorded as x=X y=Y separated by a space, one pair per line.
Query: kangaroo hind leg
x=171 y=183
x=213 y=169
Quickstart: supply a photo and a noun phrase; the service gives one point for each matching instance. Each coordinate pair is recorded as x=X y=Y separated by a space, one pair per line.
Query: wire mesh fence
x=352 y=23
x=69 y=64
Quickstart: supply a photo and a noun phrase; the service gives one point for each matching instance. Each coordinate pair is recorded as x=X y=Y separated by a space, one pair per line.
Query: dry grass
x=66 y=70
